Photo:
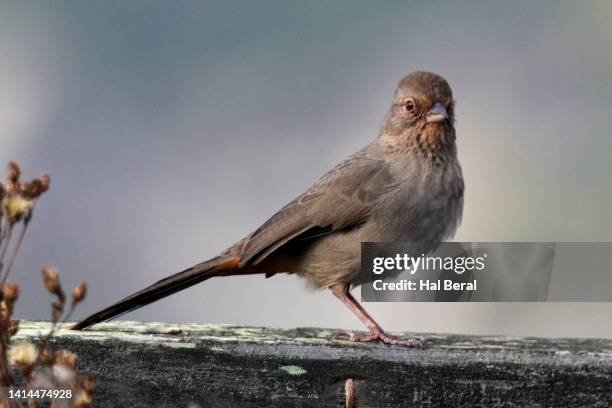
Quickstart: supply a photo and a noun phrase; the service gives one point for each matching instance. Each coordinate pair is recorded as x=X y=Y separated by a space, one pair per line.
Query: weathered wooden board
x=172 y=365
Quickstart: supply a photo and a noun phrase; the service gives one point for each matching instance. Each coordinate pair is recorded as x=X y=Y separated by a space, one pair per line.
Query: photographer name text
x=412 y=264
x=425 y=285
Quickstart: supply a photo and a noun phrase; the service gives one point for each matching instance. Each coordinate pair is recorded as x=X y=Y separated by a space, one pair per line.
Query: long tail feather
x=219 y=266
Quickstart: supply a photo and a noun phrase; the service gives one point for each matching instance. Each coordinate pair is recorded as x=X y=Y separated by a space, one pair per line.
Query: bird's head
x=421 y=115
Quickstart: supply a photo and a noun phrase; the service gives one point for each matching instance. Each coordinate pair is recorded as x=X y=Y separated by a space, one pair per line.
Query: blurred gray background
x=172 y=129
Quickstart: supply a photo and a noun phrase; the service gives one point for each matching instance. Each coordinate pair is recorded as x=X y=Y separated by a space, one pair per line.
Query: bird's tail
x=219 y=266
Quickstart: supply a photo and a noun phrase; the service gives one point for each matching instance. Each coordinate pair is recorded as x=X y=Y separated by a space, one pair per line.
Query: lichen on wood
x=170 y=365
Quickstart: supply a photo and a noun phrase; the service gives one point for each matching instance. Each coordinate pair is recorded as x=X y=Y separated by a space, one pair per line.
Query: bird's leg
x=376 y=332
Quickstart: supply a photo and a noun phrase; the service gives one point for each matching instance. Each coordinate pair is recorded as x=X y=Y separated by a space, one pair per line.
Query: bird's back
x=418 y=202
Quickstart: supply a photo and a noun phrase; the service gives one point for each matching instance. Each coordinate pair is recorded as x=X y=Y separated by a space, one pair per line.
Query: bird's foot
x=385 y=338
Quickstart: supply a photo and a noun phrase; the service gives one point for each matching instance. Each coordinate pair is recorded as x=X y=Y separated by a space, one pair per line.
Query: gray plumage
x=404 y=186
x=398 y=188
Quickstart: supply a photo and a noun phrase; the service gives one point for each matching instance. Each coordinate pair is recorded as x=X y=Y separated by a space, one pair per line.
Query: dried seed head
x=66 y=358
x=12 y=179
x=87 y=384
x=23 y=356
x=10 y=292
x=51 y=280
x=45 y=179
x=17 y=198
x=5 y=311
x=13 y=327
x=41 y=379
x=13 y=171
x=45 y=355
x=35 y=188
x=57 y=308
x=15 y=207
x=82 y=399
x=79 y=292
x=63 y=374
x=30 y=190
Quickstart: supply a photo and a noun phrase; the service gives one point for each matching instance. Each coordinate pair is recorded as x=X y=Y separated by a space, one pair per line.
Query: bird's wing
x=342 y=198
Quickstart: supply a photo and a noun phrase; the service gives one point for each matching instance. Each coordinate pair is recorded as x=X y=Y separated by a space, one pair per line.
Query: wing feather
x=342 y=198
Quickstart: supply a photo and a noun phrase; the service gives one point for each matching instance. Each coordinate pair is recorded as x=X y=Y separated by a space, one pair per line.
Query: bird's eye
x=410 y=105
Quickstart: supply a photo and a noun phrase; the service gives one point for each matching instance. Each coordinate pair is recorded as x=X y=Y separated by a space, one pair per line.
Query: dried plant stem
x=15 y=250
x=3 y=226
x=45 y=342
x=2 y=230
x=7 y=232
x=7 y=378
x=69 y=314
x=54 y=325
x=349 y=393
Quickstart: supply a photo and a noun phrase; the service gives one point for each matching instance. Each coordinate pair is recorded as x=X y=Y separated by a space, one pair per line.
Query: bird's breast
x=426 y=206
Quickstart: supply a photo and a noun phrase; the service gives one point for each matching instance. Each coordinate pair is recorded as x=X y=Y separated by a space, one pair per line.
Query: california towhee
x=404 y=186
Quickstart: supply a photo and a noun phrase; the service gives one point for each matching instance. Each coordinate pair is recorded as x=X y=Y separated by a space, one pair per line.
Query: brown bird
x=404 y=186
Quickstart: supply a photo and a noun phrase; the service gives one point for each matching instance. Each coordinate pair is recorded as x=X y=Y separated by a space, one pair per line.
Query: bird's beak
x=436 y=114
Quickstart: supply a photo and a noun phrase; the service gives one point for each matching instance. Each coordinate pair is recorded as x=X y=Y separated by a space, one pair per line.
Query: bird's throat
x=434 y=140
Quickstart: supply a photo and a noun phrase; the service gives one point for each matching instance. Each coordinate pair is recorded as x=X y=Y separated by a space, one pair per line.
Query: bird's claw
x=385 y=338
